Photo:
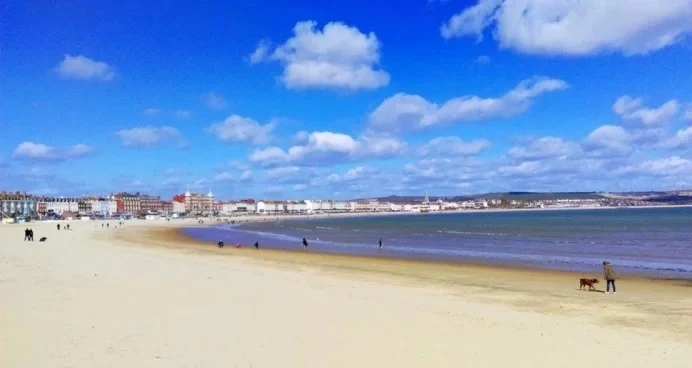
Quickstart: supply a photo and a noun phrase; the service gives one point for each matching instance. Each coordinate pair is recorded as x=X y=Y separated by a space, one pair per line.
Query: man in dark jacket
x=609 y=275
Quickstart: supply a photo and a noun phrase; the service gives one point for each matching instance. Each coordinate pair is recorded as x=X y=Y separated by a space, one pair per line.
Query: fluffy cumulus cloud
x=681 y=139
x=322 y=148
x=403 y=112
x=81 y=67
x=608 y=140
x=453 y=146
x=338 y=56
x=542 y=148
x=227 y=176
x=568 y=27
x=148 y=136
x=668 y=166
x=214 y=101
x=236 y=128
x=261 y=53
x=633 y=109
x=688 y=114
x=42 y=152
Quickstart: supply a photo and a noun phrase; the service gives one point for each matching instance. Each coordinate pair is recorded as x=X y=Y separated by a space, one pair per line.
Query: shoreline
x=178 y=236
x=629 y=268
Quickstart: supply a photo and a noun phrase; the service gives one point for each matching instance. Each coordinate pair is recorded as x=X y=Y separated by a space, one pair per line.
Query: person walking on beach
x=31 y=234
x=256 y=245
x=26 y=234
x=609 y=276
x=380 y=243
x=58 y=227
x=305 y=243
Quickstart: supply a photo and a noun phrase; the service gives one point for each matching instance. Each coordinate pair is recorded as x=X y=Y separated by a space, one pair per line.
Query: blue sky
x=344 y=99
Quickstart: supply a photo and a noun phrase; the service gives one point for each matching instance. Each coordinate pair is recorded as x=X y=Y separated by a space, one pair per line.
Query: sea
x=654 y=242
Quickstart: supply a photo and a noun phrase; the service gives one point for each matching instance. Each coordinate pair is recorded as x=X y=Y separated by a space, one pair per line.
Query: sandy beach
x=142 y=295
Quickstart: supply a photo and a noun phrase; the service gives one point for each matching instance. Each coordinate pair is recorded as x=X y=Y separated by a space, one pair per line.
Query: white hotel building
x=60 y=205
x=105 y=206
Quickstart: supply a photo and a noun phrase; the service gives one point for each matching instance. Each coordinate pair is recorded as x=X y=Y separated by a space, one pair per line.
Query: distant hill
x=671 y=199
x=519 y=196
x=538 y=196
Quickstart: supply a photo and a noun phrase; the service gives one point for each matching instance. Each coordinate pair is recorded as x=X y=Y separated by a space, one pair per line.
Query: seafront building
x=17 y=204
x=58 y=205
x=199 y=204
x=22 y=205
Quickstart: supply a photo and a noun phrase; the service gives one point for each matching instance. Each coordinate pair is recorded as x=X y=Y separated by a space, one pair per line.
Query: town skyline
x=332 y=101
x=25 y=207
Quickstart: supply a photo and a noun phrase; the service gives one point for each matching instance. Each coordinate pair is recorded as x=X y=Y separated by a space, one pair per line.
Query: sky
x=345 y=99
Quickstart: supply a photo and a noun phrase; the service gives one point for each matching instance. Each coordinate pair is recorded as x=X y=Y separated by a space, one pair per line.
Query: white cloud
x=80 y=67
x=42 y=152
x=261 y=53
x=453 y=146
x=241 y=129
x=214 y=101
x=526 y=168
x=337 y=57
x=608 y=140
x=412 y=112
x=301 y=137
x=246 y=175
x=688 y=114
x=633 y=109
x=290 y=174
x=542 y=148
x=568 y=27
x=283 y=171
x=669 y=166
x=147 y=136
x=683 y=138
x=329 y=147
x=239 y=165
x=224 y=177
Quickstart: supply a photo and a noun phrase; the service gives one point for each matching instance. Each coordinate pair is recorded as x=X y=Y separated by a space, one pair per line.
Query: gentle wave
x=568 y=262
x=653 y=241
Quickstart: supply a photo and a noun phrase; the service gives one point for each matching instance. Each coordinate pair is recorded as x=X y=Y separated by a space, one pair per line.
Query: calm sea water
x=656 y=242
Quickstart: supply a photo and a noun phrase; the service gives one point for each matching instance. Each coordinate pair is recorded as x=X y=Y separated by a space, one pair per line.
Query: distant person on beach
x=31 y=234
x=609 y=275
x=380 y=243
x=305 y=243
x=26 y=234
x=58 y=227
x=256 y=245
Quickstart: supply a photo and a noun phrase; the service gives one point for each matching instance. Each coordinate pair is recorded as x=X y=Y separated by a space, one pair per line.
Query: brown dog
x=583 y=283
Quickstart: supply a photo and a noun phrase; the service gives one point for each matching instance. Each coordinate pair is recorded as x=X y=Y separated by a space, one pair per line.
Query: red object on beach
x=238 y=245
